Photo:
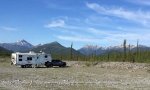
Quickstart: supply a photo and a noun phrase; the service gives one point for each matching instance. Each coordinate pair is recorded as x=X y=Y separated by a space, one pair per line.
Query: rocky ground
x=77 y=76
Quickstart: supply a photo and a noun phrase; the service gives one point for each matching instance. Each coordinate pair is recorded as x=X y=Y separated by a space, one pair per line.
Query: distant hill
x=19 y=46
x=4 y=52
x=55 y=49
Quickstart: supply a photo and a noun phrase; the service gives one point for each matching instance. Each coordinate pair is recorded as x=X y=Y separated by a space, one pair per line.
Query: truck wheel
x=28 y=66
x=64 y=65
x=48 y=64
x=22 y=66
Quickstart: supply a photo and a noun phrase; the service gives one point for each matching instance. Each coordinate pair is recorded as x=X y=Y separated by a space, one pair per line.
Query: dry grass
x=2 y=88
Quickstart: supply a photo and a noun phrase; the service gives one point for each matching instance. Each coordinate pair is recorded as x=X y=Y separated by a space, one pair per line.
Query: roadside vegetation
x=127 y=55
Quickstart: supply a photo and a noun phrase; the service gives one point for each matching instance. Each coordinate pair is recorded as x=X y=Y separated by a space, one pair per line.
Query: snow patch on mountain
x=19 y=46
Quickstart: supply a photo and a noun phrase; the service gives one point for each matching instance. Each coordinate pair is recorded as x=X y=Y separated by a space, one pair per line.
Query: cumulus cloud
x=138 y=16
x=56 y=23
x=8 y=28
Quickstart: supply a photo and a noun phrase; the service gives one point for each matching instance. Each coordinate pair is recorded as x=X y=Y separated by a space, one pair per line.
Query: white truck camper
x=31 y=59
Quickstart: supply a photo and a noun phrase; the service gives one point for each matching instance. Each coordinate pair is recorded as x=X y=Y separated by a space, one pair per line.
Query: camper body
x=31 y=59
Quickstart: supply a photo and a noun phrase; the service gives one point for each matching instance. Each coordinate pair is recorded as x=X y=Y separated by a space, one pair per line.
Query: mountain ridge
x=19 y=46
x=97 y=50
x=57 y=48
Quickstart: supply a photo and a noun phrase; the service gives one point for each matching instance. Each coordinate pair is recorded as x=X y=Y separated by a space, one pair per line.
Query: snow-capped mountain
x=19 y=46
x=24 y=46
x=24 y=43
x=121 y=47
x=92 y=49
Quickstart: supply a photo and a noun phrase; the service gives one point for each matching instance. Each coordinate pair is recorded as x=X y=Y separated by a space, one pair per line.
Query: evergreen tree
x=71 y=54
x=124 y=46
x=108 y=56
x=137 y=50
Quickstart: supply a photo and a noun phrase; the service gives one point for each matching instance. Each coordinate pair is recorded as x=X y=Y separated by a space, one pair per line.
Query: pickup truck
x=57 y=62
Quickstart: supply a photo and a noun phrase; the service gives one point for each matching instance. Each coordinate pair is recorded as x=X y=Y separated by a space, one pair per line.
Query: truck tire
x=28 y=65
x=64 y=65
x=22 y=66
x=48 y=64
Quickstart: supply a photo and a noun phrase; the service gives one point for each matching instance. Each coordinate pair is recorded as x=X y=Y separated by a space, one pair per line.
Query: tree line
x=127 y=55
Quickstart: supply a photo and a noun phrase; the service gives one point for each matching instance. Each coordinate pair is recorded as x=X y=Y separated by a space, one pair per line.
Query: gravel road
x=77 y=76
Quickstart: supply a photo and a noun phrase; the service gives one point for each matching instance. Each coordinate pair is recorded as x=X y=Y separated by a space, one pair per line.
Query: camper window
x=29 y=58
x=20 y=59
x=45 y=56
x=20 y=55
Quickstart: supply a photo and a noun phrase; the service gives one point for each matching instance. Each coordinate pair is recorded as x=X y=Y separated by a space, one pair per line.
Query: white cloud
x=138 y=16
x=117 y=37
x=78 y=39
x=56 y=23
x=98 y=20
x=140 y=2
x=86 y=33
x=98 y=32
x=8 y=28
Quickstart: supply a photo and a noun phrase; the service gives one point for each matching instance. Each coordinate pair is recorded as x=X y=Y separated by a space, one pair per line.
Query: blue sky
x=94 y=22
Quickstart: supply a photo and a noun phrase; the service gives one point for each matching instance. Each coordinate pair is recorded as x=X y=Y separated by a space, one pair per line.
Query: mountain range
x=19 y=46
x=56 y=48
x=91 y=49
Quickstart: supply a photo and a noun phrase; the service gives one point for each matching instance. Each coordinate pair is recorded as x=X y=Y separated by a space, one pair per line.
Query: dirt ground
x=77 y=76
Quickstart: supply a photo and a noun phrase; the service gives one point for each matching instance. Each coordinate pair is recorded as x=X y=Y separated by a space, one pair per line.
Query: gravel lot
x=77 y=76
